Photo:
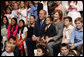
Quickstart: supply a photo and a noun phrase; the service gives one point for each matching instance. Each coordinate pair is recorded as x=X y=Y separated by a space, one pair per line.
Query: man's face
x=42 y=15
x=64 y=51
x=66 y=22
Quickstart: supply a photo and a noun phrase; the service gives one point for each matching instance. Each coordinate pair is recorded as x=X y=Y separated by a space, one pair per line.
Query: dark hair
x=69 y=18
x=44 y=49
x=14 y=24
x=65 y=45
x=6 y=23
x=9 y=9
x=22 y=27
x=12 y=37
x=49 y=18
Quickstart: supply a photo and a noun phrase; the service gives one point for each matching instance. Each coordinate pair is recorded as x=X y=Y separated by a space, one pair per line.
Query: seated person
x=77 y=35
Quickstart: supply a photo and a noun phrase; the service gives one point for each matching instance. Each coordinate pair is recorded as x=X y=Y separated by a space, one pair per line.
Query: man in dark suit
x=39 y=25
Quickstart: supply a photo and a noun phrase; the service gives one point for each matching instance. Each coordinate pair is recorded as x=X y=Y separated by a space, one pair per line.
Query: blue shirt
x=77 y=37
x=34 y=11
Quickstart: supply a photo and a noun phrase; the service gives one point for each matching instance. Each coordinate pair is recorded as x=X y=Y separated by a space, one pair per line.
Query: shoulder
x=25 y=29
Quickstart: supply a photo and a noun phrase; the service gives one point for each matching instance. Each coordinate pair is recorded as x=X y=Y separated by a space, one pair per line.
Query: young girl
x=22 y=12
x=9 y=50
x=12 y=28
x=21 y=37
x=8 y=14
x=72 y=11
x=4 y=28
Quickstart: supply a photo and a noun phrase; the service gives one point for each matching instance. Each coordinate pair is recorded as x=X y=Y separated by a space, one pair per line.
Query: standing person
x=59 y=29
x=12 y=28
x=21 y=37
x=4 y=29
x=67 y=30
x=77 y=35
x=8 y=14
x=72 y=11
x=36 y=8
x=60 y=7
x=22 y=12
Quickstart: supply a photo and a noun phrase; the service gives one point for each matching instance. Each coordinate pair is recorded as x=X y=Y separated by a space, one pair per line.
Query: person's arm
x=8 y=32
x=32 y=10
x=59 y=34
x=73 y=36
x=79 y=43
x=25 y=36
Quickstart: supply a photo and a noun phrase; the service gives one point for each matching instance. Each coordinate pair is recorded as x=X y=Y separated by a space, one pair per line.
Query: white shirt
x=23 y=14
x=23 y=35
x=67 y=32
x=7 y=54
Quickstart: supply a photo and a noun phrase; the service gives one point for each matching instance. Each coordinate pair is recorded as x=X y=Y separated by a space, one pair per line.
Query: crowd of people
x=42 y=28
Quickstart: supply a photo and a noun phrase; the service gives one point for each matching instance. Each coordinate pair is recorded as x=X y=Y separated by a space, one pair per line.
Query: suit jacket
x=39 y=31
x=51 y=31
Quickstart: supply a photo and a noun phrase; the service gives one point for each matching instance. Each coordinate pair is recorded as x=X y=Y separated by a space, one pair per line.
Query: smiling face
x=4 y=20
x=21 y=24
x=13 y=22
x=64 y=51
x=48 y=21
x=39 y=52
x=32 y=20
x=42 y=14
x=56 y=16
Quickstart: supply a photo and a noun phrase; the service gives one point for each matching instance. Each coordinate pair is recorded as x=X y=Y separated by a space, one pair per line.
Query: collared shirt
x=77 y=37
x=67 y=32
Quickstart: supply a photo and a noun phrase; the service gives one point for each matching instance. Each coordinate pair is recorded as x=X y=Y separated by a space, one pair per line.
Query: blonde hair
x=10 y=45
x=79 y=19
x=29 y=23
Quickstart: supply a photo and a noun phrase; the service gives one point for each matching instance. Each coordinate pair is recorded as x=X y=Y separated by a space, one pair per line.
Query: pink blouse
x=11 y=32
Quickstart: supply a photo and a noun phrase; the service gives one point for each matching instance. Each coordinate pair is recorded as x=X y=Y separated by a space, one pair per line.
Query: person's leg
x=25 y=49
x=79 y=48
x=50 y=48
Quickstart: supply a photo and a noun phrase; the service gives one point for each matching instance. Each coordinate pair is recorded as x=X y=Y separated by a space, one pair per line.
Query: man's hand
x=48 y=39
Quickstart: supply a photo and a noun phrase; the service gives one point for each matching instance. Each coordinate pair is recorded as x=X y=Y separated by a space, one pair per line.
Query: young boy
x=77 y=35
x=64 y=50
x=12 y=40
x=67 y=30
x=9 y=50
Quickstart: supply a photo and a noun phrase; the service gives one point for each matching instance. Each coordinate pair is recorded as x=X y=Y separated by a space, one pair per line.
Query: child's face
x=66 y=22
x=8 y=11
x=79 y=25
x=8 y=48
x=12 y=41
x=64 y=51
x=32 y=20
x=48 y=21
x=56 y=16
x=13 y=21
x=39 y=52
x=20 y=24
x=4 y=20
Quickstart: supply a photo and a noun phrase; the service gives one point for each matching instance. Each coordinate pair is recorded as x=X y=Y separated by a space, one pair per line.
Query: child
x=49 y=29
x=67 y=30
x=21 y=37
x=73 y=12
x=12 y=28
x=64 y=50
x=77 y=35
x=12 y=40
x=41 y=51
x=9 y=50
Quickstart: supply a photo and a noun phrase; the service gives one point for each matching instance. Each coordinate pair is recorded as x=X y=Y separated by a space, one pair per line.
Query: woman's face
x=4 y=20
x=22 y=4
x=13 y=22
x=56 y=16
x=20 y=24
x=32 y=20
x=8 y=11
x=39 y=52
